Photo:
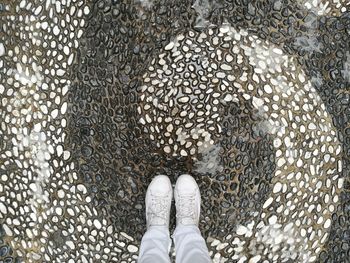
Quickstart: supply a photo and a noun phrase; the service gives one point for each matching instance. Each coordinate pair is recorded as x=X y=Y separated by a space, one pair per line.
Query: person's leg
x=155 y=245
x=190 y=246
x=156 y=242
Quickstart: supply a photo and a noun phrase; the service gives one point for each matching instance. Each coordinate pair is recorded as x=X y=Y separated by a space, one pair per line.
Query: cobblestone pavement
x=250 y=97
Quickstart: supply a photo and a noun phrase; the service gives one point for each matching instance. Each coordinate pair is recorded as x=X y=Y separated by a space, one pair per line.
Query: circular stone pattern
x=185 y=91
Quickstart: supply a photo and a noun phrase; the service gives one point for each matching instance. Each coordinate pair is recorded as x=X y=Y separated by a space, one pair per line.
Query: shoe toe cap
x=160 y=186
x=186 y=184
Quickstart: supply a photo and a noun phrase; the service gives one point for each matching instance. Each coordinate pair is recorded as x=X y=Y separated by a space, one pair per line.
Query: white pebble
x=2 y=49
x=169 y=46
x=277 y=188
x=241 y=230
x=97 y=224
x=268 y=202
x=268 y=89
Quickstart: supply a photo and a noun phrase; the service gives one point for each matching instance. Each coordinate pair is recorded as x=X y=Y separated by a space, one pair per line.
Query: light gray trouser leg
x=190 y=246
x=155 y=245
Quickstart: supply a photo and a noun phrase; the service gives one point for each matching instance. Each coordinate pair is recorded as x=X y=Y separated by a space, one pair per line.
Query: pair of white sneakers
x=160 y=194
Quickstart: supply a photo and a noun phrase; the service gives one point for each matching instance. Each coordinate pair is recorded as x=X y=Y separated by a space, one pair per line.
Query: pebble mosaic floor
x=250 y=97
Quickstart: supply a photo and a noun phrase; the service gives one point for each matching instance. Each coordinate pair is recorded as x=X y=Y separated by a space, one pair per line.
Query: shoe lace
x=186 y=205
x=159 y=207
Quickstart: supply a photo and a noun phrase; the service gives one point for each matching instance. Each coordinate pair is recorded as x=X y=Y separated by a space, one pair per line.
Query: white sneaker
x=187 y=200
x=158 y=201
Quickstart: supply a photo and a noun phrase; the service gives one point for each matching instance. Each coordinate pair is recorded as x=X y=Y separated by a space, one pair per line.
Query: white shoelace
x=159 y=208
x=186 y=207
